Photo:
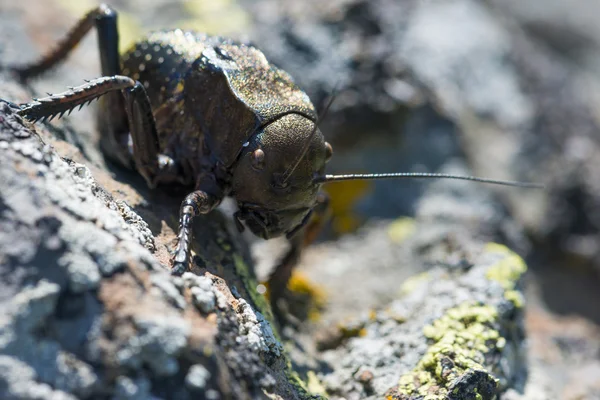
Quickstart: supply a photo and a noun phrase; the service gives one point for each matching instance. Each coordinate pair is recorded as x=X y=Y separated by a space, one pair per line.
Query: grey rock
x=197 y=377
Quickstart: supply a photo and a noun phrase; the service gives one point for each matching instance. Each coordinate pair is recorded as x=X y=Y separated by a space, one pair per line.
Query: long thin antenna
x=396 y=175
x=289 y=171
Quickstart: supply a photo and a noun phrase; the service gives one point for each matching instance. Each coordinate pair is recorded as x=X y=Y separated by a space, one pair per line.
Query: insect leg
x=105 y=20
x=280 y=276
x=196 y=203
x=283 y=271
x=61 y=103
x=112 y=116
x=144 y=136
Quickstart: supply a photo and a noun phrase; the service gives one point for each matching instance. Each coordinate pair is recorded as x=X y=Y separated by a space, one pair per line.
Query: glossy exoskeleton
x=195 y=109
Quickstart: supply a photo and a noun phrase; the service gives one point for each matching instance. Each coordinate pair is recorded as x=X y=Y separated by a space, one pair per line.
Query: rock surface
x=89 y=312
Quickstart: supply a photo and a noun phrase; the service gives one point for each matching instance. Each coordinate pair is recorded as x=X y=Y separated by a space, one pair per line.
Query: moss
x=401 y=229
x=461 y=339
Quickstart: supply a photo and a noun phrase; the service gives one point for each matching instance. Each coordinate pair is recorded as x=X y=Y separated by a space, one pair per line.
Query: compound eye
x=258 y=159
x=328 y=152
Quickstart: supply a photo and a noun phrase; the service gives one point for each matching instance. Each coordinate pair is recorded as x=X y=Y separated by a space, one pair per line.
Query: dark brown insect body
x=209 y=112
x=227 y=118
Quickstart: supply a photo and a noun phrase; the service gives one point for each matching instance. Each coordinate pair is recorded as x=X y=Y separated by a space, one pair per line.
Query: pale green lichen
x=302 y=388
x=410 y=284
x=463 y=335
x=401 y=229
x=314 y=384
x=508 y=270
x=515 y=297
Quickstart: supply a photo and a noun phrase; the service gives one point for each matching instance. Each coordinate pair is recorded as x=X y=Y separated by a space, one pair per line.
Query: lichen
x=401 y=229
x=508 y=269
x=412 y=283
x=461 y=339
x=314 y=384
x=299 y=284
x=301 y=387
x=515 y=297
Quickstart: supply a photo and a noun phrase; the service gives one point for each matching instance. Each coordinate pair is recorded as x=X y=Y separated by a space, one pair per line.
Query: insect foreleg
x=196 y=203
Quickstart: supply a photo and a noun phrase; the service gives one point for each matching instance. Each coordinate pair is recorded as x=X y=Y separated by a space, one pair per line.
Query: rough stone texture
x=89 y=312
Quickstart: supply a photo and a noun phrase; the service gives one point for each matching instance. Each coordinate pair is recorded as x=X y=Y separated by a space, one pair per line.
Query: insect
x=183 y=107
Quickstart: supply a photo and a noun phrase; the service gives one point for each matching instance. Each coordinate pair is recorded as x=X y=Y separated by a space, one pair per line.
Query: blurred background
x=502 y=89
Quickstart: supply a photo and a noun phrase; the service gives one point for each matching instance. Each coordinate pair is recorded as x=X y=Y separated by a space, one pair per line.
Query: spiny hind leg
x=121 y=116
x=112 y=117
x=104 y=19
x=144 y=144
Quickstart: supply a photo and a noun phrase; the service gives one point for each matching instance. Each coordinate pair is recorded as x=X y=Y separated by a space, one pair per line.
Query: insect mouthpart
x=258 y=220
x=268 y=224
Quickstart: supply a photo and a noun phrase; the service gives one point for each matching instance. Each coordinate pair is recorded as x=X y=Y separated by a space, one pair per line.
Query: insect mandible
x=183 y=107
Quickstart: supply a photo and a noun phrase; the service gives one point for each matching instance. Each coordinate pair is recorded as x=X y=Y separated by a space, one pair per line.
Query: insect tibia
x=61 y=103
x=425 y=175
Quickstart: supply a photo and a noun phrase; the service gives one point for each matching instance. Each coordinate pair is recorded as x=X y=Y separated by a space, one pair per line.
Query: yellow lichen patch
x=515 y=297
x=401 y=229
x=314 y=385
x=299 y=284
x=462 y=337
x=412 y=283
x=220 y=17
x=507 y=270
x=342 y=198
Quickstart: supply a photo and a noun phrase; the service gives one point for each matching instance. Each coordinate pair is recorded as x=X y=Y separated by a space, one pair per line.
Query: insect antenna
x=290 y=170
x=425 y=175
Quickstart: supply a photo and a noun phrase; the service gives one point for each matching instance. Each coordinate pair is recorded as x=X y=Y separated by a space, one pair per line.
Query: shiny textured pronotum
x=212 y=113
